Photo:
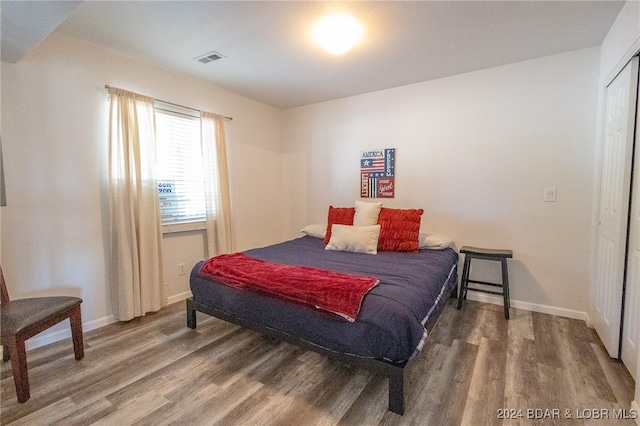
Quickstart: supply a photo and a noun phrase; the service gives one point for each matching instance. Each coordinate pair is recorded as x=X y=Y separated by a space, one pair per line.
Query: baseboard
x=543 y=309
x=47 y=338
x=635 y=408
x=179 y=297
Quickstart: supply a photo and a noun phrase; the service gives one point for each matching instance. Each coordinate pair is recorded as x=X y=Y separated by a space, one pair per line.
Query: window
x=181 y=178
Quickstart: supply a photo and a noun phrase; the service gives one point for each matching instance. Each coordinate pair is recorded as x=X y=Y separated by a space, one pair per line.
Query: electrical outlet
x=182 y=269
x=550 y=194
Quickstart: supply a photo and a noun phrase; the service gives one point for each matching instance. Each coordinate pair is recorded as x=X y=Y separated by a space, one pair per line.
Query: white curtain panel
x=135 y=227
x=214 y=153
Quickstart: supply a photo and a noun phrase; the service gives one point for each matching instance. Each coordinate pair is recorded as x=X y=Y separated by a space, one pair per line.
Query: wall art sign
x=377 y=173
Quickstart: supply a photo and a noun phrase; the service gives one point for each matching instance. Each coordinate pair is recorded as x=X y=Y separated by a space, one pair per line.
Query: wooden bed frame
x=394 y=371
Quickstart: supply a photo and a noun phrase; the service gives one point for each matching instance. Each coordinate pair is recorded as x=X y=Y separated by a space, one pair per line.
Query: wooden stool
x=485 y=254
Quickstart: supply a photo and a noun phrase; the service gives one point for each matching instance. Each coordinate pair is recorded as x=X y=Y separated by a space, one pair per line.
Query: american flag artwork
x=377 y=173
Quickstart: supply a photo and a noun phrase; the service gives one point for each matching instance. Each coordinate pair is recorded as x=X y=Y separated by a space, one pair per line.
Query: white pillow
x=366 y=213
x=356 y=239
x=317 y=230
x=428 y=240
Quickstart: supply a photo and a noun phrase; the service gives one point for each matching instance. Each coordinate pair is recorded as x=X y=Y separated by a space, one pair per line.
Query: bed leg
x=396 y=390
x=191 y=314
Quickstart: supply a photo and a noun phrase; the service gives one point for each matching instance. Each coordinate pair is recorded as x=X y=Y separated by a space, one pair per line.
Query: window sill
x=184 y=227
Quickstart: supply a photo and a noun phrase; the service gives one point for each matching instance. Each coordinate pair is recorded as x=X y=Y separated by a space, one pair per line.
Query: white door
x=614 y=205
x=631 y=322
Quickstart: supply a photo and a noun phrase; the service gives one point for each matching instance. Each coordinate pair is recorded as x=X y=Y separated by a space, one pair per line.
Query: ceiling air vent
x=209 y=57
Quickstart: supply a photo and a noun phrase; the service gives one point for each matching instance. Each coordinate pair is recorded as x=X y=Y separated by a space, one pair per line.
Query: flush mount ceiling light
x=337 y=33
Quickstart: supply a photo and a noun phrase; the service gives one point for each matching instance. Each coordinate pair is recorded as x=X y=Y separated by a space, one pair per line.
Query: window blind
x=180 y=169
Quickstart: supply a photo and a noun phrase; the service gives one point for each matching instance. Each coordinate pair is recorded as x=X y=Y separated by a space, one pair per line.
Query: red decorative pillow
x=340 y=216
x=399 y=229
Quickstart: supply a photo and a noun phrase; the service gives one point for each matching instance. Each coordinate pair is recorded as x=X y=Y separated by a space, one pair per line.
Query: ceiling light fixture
x=337 y=33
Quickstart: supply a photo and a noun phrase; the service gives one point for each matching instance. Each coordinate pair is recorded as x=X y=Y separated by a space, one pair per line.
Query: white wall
x=621 y=43
x=54 y=133
x=476 y=152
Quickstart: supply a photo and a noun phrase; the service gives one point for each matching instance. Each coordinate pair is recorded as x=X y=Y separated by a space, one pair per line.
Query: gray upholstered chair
x=24 y=318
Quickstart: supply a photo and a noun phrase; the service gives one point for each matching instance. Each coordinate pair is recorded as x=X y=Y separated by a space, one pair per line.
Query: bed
x=391 y=327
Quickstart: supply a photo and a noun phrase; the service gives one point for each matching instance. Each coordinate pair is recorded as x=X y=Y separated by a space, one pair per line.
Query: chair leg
x=505 y=289
x=5 y=353
x=76 y=332
x=19 y=367
x=463 y=284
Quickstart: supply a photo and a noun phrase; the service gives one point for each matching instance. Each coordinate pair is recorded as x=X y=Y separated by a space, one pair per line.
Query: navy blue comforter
x=394 y=316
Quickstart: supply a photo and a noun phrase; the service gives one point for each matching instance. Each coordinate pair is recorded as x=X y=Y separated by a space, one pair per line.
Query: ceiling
x=269 y=55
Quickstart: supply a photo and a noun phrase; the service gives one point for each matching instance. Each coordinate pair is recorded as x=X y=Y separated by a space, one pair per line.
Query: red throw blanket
x=331 y=291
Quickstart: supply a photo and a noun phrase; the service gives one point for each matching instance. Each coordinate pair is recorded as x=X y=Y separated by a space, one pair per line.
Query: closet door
x=614 y=205
x=631 y=322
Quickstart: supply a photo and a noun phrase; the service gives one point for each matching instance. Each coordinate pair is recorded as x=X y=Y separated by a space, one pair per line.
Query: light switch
x=550 y=194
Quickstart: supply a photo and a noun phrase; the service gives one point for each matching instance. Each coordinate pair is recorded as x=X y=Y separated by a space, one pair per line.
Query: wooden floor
x=156 y=371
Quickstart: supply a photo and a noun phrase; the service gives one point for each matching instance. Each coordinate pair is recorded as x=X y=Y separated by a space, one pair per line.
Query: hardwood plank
x=370 y=405
x=486 y=391
x=424 y=389
x=454 y=324
x=156 y=355
x=547 y=340
x=214 y=402
x=557 y=394
x=271 y=370
x=444 y=403
x=47 y=414
x=520 y=324
x=491 y=324
x=274 y=399
x=454 y=384
x=205 y=405
x=177 y=375
x=618 y=377
x=242 y=358
x=89 y=414
x=522 y=386
x=581 y=358
x=330 y=399
x=134 y=409
x=43 y=356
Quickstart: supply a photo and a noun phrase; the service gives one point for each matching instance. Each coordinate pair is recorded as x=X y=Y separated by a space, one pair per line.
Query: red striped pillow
x=399 y=229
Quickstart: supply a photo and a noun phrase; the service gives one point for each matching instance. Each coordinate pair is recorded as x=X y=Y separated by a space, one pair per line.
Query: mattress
x=395 y=315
